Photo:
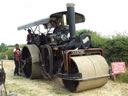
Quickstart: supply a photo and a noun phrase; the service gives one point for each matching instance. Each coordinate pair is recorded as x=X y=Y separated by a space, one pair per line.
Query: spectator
x=16 y=59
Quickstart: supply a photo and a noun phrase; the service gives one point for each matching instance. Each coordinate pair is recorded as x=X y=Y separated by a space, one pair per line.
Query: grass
x=38 y=87
x=123 y=77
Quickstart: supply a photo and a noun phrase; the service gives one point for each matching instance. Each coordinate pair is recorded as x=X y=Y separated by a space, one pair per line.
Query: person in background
x=16 y=59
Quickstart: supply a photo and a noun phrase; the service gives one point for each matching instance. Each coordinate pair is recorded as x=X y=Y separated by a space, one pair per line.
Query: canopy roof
x=53 y=20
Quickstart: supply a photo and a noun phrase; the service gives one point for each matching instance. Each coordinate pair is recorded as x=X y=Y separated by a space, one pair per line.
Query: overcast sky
x=107 y=17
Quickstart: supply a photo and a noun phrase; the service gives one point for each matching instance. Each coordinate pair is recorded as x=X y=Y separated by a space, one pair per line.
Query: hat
x=29 y=30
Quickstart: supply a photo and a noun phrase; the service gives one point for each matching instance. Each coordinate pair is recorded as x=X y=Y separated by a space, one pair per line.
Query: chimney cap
x=70 y=5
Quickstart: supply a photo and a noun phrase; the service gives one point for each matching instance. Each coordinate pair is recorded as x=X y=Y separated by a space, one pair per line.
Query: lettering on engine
x=78 y=52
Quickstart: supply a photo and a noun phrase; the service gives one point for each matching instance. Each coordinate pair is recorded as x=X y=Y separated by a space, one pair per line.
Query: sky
x=106 y=17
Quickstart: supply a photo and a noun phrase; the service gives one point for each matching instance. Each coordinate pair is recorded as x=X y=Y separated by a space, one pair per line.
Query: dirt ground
x=39 y=87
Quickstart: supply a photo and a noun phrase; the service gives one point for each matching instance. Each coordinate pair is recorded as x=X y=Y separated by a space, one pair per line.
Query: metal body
x=64 y=54
x=71 y=20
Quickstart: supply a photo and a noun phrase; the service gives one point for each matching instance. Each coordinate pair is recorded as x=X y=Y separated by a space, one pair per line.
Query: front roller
x=94 y=70
x=30 y=59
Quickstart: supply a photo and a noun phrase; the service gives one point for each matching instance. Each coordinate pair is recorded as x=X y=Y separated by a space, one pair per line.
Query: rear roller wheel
x=30 y=62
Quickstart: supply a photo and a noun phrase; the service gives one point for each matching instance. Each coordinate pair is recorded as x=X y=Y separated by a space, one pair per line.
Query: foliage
x=3 y=47
x=8 y=52
x=22 y=45
x=114 y=49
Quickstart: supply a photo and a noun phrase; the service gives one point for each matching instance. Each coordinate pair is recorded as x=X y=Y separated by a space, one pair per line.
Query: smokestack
x=71 y=20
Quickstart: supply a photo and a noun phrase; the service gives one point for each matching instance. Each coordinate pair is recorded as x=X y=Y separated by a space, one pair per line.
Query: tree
x=3 y=47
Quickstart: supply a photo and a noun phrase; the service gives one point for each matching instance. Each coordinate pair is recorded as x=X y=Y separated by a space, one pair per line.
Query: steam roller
x=59 y=51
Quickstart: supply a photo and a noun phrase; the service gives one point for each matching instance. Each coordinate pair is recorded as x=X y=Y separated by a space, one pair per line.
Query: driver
x=30 y=37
